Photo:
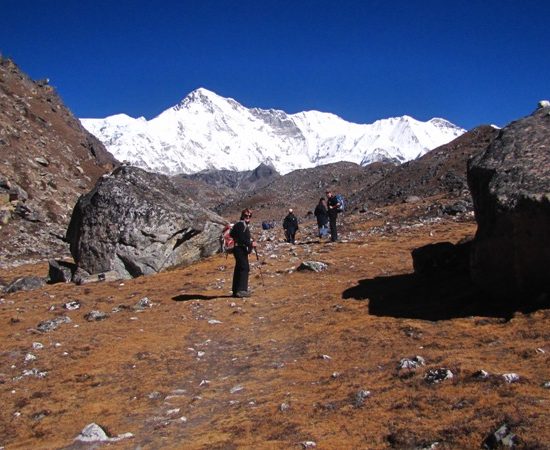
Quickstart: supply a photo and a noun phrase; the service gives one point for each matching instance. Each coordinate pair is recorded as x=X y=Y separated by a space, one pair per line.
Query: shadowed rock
x=136 y=223
x=510 y=185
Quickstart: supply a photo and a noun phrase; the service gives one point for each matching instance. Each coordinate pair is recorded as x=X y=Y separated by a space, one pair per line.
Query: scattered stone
x=236 y=389
x=502 y=437
x=71 y=306
x=42 y=161
x=50 y=325
x=325 y=357
x=37 y=346
x=29 y=357
x=25 y=284
x=284 y=407
x=360 y=398
x=142 y=304
x=314 y=266
x=510 y=377
x=434 y=376
x=546 y=385
x=308 y=444
x=411 y=363
x=34 y=373
x=95 y=316
x=214 y=321
x=431 y=446
x=412 y=199
x=94 y=433
x=480 y=375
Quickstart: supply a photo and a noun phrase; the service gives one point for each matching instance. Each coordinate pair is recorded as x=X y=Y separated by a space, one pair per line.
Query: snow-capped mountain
x=206 y=131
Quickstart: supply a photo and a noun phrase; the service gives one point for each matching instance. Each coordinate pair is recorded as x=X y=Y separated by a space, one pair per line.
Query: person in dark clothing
x=243 y=247
x=290 y=225
x=333 y=209
x=321 y=214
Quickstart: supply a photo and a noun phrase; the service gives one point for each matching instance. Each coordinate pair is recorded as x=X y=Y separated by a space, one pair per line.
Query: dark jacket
x=321 y=214
x=333 y=206
x=290 y=222
x=241 y=235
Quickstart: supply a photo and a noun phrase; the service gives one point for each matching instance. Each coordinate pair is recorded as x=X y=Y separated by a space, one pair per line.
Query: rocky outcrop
x=510 y=185
x=137 y=223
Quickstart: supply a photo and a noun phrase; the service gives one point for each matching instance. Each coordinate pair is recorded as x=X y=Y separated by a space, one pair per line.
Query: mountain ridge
x=205 y=131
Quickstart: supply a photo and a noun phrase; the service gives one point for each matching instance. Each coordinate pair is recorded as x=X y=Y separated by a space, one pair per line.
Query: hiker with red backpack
x=244 y=245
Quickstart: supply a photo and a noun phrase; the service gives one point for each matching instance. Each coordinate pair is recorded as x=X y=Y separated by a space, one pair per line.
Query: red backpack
x=227 y=242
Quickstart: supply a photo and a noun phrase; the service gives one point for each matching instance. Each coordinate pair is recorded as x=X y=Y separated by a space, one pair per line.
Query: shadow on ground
x=189 y=297
x=442 y=295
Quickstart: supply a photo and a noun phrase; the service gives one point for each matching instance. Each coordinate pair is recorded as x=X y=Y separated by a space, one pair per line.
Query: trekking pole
x=259 y=267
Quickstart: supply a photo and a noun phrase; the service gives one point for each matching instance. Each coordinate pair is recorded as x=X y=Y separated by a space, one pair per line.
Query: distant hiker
x=243 y=247
x=290 y=225
x=321 y=214
x=333 y=208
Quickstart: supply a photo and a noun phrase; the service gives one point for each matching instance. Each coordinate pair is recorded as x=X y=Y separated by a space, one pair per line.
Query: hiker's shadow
x=189 y=297
x=441 y=295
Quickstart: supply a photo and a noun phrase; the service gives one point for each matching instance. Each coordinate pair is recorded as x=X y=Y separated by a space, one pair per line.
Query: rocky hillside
x=302 y=188
x=214 y=188
x=48 y=160
x=440 y=171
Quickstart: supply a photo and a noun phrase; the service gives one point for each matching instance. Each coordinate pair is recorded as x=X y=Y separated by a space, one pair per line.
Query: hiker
x=290 y=225
x=244 y=245
x=333 y=207
x=322 y=217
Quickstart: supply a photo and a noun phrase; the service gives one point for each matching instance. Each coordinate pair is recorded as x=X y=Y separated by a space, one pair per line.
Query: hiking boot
x=241 y=294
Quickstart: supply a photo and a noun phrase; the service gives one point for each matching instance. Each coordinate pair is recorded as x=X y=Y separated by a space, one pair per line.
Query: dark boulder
x=25 y=284
x=510 y=186
x=136 y=223
x=60 y=271
x=441 y=256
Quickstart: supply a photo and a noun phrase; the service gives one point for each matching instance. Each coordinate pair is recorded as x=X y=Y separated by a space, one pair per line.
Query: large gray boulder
x=510 y=186
x=137 y=223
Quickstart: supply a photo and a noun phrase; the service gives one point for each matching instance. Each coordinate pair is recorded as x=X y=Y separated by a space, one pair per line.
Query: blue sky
x=471 y=62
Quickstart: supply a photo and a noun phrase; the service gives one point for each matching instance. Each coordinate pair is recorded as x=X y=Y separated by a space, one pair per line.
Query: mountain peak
x=198 y=96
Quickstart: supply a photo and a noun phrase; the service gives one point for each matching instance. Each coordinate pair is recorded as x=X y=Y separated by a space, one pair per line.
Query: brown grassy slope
x=142 y=372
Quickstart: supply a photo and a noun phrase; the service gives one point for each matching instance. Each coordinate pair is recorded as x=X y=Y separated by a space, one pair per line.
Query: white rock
x=94 y=433
x=510 y=377
x=235 y=389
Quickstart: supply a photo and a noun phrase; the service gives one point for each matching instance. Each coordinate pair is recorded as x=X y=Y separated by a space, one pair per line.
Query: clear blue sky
x=471 y=62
